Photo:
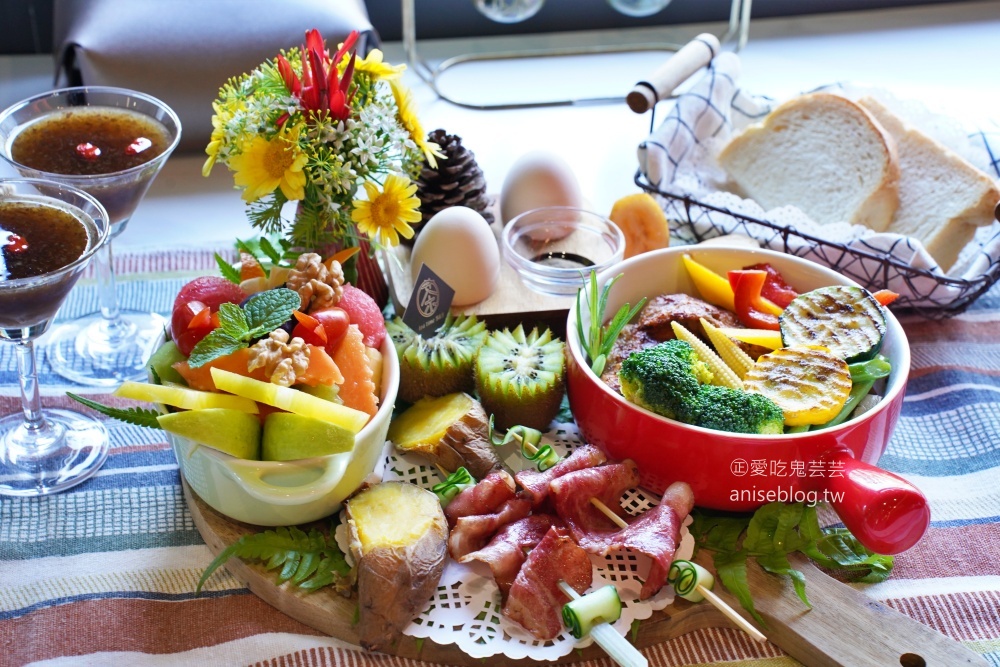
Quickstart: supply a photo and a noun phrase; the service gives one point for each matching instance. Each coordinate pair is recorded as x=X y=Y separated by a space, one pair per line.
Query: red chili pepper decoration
x=88 y=151
x=775 y=289
x=138 y=146
x=15 y=243
x=321 y=91
x=747 y=286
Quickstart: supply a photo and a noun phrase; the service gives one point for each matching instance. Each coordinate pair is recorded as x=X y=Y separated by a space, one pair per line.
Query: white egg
x=538 y=179
x=458 y=245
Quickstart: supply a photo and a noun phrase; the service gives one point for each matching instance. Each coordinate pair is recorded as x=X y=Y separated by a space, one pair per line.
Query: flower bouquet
x=313 y=127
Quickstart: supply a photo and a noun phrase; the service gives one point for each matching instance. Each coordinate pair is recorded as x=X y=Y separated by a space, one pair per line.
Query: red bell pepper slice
x=775 y=289
x=747 y=285
x=885 y=296
x=309 y=329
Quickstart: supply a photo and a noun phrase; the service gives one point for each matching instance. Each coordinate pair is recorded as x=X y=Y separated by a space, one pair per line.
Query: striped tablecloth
x=105 y=574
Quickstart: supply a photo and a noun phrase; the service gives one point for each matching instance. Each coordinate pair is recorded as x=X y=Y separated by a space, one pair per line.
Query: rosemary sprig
x=599 y=339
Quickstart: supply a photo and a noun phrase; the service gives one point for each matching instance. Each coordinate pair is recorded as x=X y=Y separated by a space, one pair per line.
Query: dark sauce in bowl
x=89 y=141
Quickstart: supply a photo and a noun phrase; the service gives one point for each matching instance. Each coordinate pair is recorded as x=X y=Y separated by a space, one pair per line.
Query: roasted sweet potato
x=399 y=540
x=451 y=431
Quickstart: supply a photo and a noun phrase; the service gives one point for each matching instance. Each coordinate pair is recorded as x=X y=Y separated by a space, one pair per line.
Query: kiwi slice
x=521 y=378
x=441 y=364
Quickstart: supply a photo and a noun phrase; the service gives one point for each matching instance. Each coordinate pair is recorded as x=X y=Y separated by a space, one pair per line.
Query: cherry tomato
x=748 y=302
x=335 y=322
x=309 y=329
x=190 y=323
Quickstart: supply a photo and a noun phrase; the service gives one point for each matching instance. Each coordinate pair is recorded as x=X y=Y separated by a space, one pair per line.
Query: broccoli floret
x=738 y=411
x=665 y=379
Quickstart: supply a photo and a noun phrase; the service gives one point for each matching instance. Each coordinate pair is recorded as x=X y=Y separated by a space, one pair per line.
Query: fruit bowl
x=284 y=493
x=738 y=472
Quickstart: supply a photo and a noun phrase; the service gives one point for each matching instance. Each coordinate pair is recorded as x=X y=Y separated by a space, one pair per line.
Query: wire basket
x=930 y=295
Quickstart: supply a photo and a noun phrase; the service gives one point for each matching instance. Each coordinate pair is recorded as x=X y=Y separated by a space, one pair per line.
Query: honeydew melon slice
x=231 y=431
x=184 y=398
x=290 y=400
x=288 y=437
x=163 y=360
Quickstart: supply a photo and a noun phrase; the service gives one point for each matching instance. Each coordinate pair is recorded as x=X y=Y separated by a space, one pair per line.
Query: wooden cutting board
x=845 y=628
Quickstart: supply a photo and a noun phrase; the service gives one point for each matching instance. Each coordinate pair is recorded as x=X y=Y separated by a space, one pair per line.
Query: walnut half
x=283 y=361
x=318 y=285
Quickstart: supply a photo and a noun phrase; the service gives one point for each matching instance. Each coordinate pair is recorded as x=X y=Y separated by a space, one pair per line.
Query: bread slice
x=942 y=198
x=823 y=154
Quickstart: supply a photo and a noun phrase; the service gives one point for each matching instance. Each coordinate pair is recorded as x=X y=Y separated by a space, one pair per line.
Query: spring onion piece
x=544 y=457
x=454 y=484
x=687 y=577
x=594 y=613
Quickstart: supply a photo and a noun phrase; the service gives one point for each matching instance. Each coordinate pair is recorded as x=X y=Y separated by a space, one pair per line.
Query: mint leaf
x=228 y=271
x=233 y=321
x=216 y=344
x=269 y=310
x=137 y=416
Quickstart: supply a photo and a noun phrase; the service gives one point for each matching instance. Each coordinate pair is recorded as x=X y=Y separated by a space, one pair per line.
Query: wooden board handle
x=689 y=59
x=845 y=628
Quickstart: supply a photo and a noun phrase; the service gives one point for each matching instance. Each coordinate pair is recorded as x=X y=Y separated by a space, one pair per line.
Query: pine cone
x=457 y=181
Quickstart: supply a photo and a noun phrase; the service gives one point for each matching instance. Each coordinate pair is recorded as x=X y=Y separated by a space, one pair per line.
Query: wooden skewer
x=730 y=613
x=714 y=599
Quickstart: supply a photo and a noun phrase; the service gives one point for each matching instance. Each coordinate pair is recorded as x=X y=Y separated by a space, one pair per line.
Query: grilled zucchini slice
x=846 y=320
x=809 y=384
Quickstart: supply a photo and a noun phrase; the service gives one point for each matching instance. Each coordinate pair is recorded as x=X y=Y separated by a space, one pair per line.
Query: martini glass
x=44 y=451
x=111 y=345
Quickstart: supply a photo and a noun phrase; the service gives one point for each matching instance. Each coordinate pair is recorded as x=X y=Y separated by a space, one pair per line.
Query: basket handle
x=661 y=84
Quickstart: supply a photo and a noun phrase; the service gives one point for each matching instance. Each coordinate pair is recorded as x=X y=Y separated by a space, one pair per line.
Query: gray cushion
x=182 y=51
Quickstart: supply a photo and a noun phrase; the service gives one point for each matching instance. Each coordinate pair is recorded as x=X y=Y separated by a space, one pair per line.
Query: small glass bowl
x=554 y=248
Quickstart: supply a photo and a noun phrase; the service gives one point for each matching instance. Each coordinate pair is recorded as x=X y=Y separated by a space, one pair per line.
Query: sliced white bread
x=942 y=198
x=822 y=153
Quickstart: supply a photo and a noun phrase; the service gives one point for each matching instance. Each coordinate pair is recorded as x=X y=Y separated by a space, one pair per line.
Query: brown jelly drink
x=37 y=239
x=89 y=141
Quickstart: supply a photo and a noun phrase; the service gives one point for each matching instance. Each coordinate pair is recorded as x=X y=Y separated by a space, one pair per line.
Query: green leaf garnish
x=216 y=344
x=598 y=341
x=232 y=320
x=272 y=254
x=309 y=561
x=772 y=533
x=269 y=310
x=138 y=416
x=262 y=314
x=228 y=271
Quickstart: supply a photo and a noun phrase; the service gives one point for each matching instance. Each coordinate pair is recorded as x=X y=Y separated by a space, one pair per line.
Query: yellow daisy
x=262 y=166
x=374 y=66
x=389 y=211
x=219 y=119
x=408 y=119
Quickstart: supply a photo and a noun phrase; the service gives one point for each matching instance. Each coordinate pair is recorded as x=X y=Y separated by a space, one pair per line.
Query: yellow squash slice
x=808 y=383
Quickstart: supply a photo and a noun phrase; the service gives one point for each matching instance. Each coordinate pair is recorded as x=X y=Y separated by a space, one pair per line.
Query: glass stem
x=113 y=326
x=31 y=401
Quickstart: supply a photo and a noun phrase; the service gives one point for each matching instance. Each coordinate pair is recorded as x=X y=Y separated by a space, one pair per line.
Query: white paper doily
x=465 y=610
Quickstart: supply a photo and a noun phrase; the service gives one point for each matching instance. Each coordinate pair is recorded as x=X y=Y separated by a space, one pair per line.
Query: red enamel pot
x=738 y=472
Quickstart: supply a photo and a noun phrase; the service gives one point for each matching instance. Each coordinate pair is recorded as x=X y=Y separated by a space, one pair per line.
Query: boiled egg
x=538 y=179
x=458 y=245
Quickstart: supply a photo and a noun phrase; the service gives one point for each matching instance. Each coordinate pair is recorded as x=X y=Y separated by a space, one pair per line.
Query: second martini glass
x=111 y=143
